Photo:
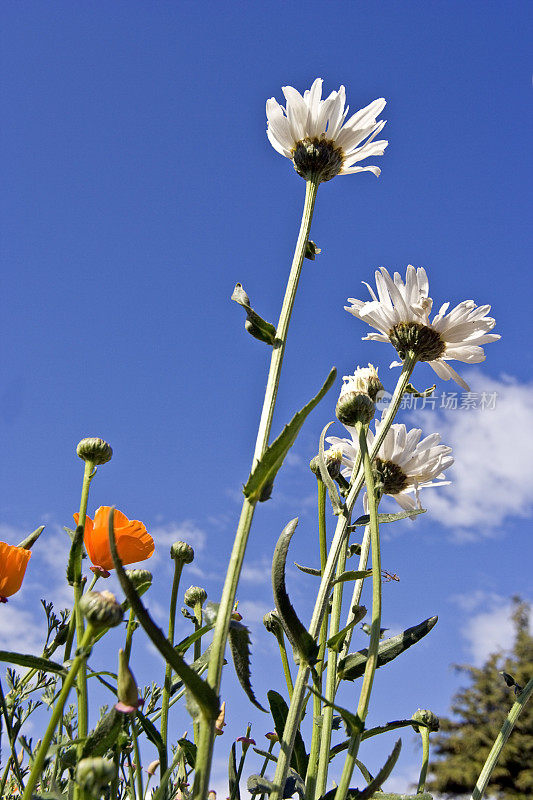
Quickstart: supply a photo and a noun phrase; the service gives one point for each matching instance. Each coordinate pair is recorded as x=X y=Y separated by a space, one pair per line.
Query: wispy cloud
x=257 y=572
x=492 y=448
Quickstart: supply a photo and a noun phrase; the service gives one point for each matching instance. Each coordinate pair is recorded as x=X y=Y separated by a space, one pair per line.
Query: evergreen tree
x=479 y=710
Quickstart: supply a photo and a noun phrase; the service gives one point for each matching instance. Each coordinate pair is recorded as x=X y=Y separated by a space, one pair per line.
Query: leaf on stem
x=352 y=575
x=309 y=570
x=364 y=520
x=336 y=641
x=30 y=540
x=326 y=477
x=298 y=635
x=239 y=642
x=234 y=791
x=74 y=561
x=255 y=325
x=264 y=472
x=34 y=662
x=279 y=710
x=370 y=732
x=202 y=693
x=353 y=665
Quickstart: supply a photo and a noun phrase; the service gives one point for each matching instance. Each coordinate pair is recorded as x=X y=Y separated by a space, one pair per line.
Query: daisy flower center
x=317 y=157
x=392 y=477
x=425 y=342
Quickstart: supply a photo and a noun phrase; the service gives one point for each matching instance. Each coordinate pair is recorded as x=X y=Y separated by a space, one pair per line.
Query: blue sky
x=139 y=187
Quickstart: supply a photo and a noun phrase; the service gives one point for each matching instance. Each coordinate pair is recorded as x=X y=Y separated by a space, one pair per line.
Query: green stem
x=284 y=660
x=501 y=739
x=214 y=675
x=294 y=716
x=356 y=594
x=424 y=735
x=373 y=647
x=12 y=741
x=38 y=764
x=165 y=700
x=240 y=768
x=138 y=768
x=130 y=629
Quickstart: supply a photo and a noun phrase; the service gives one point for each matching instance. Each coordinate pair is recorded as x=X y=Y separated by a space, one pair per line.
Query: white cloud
x=488 y=630
x=253 y=611
x=20 y=632
x=491 y=477
x=257 y=572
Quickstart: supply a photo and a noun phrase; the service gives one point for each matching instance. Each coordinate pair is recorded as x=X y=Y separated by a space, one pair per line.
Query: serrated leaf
x=297 y=633
x=309 y=570
x=279 y=710
x=255 y=325
x=265 y=471
x=364 y=520
x=353 y=665
x=234 y=791
x=203 y=694
x=34 y=662
x=370 y=732
x=326 y=477
x=239 y=642
x=29 y=541
x=352 y=575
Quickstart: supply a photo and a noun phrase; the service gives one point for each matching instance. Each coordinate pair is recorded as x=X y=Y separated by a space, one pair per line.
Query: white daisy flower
x=400 y=313
x=364 y=379
x=404 y=464
x=316 y=135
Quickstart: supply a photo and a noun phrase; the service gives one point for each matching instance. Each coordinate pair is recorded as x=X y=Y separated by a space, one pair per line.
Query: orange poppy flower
x=13 y=563
x=133 y=542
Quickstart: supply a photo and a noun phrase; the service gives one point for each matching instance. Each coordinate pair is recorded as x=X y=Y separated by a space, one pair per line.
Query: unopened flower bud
x=95 y=450
x=272 y=622
x=101 y=609
x=220 y=721
x=152 y=767
x=127 y=692
x=141 y=579
x=181 y=551
x=94 y=773
x=211 y=795
x=333 y=459
x=272 y=736
x=355 y=407
x=194 y=595
x=424 y=715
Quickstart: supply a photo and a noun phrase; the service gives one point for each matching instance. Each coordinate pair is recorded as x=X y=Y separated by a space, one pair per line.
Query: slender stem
x=501 y=739
x=214 y=675
x=130 y=629
x=373 y=647
x=12 y=740
x=294 y=716
x=40 y=757
x=138 y=768
x=284 y=660
x=356 y=594
x=424 y=735
x=238 y=776
x=165 y=700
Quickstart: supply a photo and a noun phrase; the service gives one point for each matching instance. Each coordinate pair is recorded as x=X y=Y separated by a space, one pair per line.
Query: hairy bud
x=355 y=407
x=94 y=773
x=141 y=579
x=101 y=609
x=424 y=715
x=194 y=595
x=95 y=450
x=181 y=551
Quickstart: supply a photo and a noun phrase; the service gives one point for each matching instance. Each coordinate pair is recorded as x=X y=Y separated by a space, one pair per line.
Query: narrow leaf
x=184 y=645
x=365 y=518
x=255 y=325
x=201 y=691
x=353 y=723
x=383 y=774
x=309 y=570
x=370 y=732
x=353 y=665
x=298 y=635
x=73 y=566
x=265 y=471
x=151 y=731
x=26 y=544
x=336 y=641
x=189 y=751
x=279 y=710
x=352 y=575
x=104 y=736
x=34 y=662
x=326 y=477
x=239 y=642
x=234 y=791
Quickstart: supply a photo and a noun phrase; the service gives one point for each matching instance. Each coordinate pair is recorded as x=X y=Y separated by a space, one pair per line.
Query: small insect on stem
x=389 y=576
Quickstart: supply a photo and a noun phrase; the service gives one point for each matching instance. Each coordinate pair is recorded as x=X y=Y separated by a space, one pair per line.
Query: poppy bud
x=94 y=773
x=424 y=715
x=194 y=595
x=355 y=407
x=101 y=609
x=152 y=766
x=141 y=579
x=181 y=551
x=127 y=691
x=95 y=450
x=220 y=721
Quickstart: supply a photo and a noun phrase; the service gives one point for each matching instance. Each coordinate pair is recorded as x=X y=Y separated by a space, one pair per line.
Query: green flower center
x=424 y=342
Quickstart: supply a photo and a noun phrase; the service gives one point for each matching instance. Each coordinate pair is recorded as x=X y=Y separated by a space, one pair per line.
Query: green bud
x=333 y=459
x=272 y=622
x=95 y=450
x=101 y=609
x=127 y=691
x=424 y=715
x=94 y=773
x=194 y=595
x=181 y=551
x=355 y=407
x=141 y=579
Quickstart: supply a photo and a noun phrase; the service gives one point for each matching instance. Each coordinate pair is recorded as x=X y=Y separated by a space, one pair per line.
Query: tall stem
x=214 y=675
x=424 y=735
x=295 y=708
x=373 y=647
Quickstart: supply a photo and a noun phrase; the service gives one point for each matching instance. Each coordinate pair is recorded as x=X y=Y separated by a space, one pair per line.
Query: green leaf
x=336 y=641
x=298 y=635
x=184 y=645
x=311 y=250
x=375 y=784
x=257 y=784
x=26 y=544
x=352 y=575
x=255 y=325
x=189 y=751
x=234 y=791
x=104 y=735
x=353 y=666
x=279 y=711
x=309 y=570
x=353 y=723
x=370 y=732
x=264 y=754
x=202 y=693
x=34 y=662
x=151 y=731
x=74 y=560
x=239 y=642
x=410 y=389
x=266 y=469
x=336 y=503
x=365 y=519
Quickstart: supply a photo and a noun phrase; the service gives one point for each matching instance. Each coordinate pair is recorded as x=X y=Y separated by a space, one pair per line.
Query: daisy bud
x=333 y=458
x=152 y=767
x=272 y=622
x=101 y=609
x=424 y=715
x=127 y=692
x=95 y=450
x=355 y=407
x=94 y=773
x=141 y=579
x=220 y=722
x=181 y=551
x=194 y=595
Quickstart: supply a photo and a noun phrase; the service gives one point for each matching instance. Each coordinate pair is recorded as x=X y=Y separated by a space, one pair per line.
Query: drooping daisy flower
x=356 y=401
x=404 y=464
x=400 y=313
x=315 y=134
